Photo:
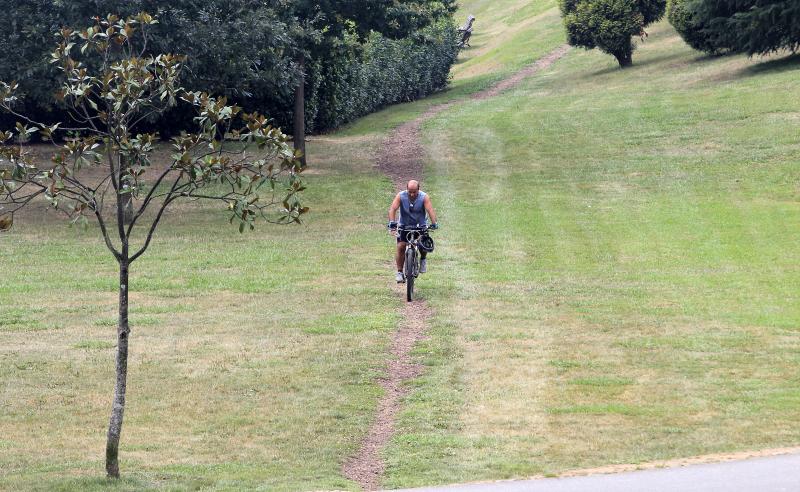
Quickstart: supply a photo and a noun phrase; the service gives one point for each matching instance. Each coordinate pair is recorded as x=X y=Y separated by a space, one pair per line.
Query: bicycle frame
x=412 y=253
x=411 y=266
x=414 y=235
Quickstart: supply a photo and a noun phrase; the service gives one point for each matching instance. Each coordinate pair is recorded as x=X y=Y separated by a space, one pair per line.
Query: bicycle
x=411 y=267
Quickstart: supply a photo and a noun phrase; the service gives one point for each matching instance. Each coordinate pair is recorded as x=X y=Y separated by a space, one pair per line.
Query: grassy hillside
x=621 y=281
x=508 y=35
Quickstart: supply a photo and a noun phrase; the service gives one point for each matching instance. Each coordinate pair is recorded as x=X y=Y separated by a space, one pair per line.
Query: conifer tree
x=609 y=24
x=692 y=30
x=749 y=26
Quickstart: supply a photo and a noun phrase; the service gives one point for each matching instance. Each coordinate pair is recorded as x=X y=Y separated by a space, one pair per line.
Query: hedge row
x=378 y=73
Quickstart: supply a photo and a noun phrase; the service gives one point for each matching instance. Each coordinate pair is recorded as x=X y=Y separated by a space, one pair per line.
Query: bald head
x=413 y=189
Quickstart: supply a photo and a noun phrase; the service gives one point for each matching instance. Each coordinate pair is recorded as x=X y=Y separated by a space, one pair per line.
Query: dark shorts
x=402 y=236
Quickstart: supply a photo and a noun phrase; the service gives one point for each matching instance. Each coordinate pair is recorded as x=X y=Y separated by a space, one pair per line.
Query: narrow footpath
x=401 y=159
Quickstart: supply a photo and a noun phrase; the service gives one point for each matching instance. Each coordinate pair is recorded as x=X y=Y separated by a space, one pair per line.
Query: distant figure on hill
x=466 y=32
x=414 y=205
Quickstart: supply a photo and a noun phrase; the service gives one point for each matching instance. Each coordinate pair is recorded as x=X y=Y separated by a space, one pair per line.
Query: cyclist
x=413 y=205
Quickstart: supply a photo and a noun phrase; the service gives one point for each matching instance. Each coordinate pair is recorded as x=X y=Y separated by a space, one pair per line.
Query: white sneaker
x=423 y=265
x=399 y=277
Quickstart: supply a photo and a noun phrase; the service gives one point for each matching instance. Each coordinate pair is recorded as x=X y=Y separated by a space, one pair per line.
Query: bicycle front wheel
x=411 y=273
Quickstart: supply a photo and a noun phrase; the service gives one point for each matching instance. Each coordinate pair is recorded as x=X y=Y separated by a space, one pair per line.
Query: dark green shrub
x=693 y=32
x=380 y=72
x=749 y=26
x=609 y=24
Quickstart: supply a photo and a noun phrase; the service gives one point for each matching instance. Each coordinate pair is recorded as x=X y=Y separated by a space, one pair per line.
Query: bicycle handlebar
x=416 y=228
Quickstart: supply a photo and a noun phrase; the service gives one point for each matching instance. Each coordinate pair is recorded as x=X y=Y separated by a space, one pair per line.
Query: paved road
x=772 y=474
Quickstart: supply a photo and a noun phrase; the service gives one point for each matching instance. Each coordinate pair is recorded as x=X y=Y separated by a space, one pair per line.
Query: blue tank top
x=412 y=214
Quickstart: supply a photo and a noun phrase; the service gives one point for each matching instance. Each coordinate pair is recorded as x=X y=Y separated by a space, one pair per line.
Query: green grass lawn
x=616 y=281
x=622 y=280
x=253 y=357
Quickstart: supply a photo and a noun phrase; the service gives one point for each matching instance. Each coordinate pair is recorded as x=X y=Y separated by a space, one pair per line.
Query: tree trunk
x=299 y=136
x=625 y=57
x=127 y=208
x=126 y=198
x=118 y=407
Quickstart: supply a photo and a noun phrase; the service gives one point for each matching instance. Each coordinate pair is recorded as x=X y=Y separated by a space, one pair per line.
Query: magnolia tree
x=102 y=171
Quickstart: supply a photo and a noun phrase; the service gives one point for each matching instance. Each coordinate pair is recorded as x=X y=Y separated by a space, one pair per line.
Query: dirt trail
x=367 y=466
x=400 y=158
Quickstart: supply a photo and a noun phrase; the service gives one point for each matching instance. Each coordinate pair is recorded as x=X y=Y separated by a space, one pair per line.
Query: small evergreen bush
x=609 y=25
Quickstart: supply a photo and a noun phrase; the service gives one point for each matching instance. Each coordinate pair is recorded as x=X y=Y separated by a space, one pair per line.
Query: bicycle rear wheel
x=410 y=272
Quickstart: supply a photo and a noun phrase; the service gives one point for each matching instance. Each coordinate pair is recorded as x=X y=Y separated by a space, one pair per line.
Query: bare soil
x=400 y=158
x=517 y=78
x=367 y=466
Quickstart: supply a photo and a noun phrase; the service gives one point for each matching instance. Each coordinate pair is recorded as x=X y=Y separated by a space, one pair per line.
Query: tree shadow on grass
x=712 y=57
x=785 y=64
x=470 y=51
x=636 y=64
x=778 y=65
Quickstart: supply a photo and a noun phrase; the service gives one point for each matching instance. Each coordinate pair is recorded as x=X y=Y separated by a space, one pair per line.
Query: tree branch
x=98 y=213
x=153 y=226
x=149 y=197
x=40 y=125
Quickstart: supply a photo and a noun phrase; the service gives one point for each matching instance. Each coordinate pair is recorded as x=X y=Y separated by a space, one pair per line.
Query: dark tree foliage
x=402 y=18
x=391 y=18
x=748 y=26
x=235 y=47
x=323 y=30
x=689 y=27
x=25 y=44
x=609 y=24
x=246 y=61
x=246 y=50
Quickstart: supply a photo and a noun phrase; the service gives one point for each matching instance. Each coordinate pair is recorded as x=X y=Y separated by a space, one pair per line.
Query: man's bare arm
x=394 y=208
x=429 y=209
